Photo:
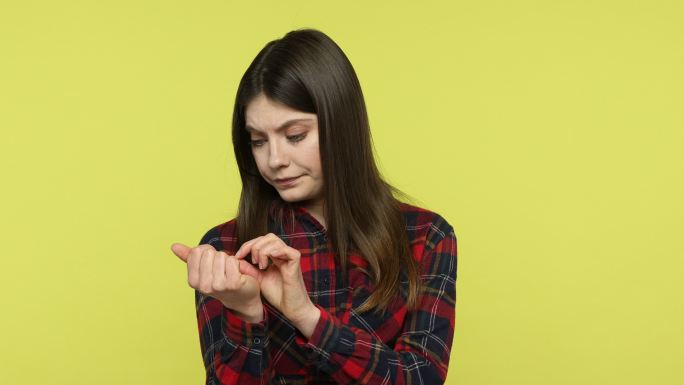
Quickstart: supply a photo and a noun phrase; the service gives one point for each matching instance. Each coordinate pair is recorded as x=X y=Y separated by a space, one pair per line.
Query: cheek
x=312 y=159
x=317 y=160
x=260 y=161
x=313 y=155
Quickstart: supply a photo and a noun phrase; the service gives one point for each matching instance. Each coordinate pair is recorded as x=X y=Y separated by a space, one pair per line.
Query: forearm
x=306 y=323
x=251 y=314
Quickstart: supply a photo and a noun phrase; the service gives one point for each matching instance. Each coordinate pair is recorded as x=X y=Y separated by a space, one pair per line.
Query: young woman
x=323 y=276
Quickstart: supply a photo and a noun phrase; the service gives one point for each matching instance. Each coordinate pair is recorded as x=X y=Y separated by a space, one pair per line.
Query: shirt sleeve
x=420 y=354
x=233 y=350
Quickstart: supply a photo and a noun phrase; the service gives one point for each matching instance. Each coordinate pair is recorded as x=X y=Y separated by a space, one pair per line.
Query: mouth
x=286 y=181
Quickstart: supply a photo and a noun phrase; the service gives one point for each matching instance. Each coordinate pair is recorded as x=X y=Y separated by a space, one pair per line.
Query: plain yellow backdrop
x=550 y=134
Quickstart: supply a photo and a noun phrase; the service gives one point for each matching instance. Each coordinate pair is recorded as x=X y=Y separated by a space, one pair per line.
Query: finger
x=276 y=248
x=233 y=277
x=194 y=260
x=287 y=256
x=279 y=257
x=245 y=248
x=285 y=253
x=270 y=242
x=181 y=251
x=261 y=249
x=206 y=271
x=248 y=269
x=219 y=271
x=255 y=249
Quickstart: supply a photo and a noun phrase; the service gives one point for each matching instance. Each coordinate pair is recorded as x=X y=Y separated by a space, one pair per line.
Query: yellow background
x=548 y=133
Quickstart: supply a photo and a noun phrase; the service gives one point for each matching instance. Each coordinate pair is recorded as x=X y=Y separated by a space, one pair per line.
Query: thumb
x=248 y=269
x=181 y=251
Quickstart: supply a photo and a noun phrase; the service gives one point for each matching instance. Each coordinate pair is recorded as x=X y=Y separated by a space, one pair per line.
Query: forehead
x=264 y=114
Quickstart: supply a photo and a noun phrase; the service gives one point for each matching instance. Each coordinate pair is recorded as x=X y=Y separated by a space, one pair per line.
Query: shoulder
x=222 y=236
x=425 y=228
x=421 y=222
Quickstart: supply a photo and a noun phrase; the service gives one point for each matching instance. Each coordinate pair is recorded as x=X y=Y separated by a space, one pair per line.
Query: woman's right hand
x=215 y=273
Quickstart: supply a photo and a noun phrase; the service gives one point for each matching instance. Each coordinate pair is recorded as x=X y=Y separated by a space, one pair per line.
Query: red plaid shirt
x=399 y=347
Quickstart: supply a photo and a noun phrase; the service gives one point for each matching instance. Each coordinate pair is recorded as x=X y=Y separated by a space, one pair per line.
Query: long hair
x=307 y=71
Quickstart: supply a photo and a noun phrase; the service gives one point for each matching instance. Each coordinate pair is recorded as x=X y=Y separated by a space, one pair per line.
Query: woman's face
x=284 y=143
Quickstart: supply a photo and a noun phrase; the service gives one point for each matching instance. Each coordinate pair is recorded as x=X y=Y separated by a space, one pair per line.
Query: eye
x=296 y=138
x=256 y=142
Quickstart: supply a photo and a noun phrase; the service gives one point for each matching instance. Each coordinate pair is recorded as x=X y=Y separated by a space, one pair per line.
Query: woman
x=323 y=276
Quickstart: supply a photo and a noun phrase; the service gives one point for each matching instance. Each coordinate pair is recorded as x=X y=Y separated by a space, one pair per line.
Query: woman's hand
x=224 y=277
x=282 y=283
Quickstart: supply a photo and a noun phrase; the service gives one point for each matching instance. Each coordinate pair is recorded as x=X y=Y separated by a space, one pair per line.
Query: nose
x=277 y=156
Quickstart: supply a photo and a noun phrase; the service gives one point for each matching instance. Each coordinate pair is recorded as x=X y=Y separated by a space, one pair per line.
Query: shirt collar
x=301 y=214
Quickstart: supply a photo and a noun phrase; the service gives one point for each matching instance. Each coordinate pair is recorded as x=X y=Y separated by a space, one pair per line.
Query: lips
x=285 y=181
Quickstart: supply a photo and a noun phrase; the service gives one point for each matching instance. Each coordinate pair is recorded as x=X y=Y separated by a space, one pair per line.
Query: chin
x=288 y=197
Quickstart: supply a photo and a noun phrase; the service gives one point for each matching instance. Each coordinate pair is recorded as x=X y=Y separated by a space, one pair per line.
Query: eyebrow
x=282 y=126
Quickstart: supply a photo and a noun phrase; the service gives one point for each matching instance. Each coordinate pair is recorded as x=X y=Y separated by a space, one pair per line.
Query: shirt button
x=257 y=340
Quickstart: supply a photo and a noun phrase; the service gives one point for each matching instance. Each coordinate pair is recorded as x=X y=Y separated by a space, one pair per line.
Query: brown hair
x=307 y=71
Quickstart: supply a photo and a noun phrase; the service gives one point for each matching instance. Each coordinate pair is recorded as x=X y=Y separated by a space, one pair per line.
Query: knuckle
x=193 y=277
x=192 y=257
x=232 y=284
x=231 y=261
x=235 y=285
x=205 y=288
x=217 y=286
x=200 y=250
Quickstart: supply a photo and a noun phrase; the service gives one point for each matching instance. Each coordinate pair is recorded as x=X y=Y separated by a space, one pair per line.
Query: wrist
x=252 y=314
x=307 y=321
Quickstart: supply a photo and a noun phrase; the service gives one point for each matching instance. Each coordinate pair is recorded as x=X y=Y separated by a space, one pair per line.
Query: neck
x=316 y=210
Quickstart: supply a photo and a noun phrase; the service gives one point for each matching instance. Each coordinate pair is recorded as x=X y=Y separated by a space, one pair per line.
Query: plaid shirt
x=399 y=347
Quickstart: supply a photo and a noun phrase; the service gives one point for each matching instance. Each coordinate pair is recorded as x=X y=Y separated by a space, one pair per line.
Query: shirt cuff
x=242 y=332
x=329 y=335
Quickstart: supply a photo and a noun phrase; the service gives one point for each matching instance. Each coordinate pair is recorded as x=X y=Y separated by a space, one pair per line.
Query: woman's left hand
x=282 y=283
